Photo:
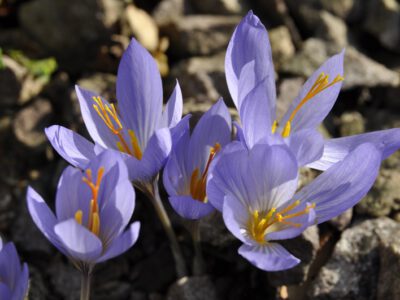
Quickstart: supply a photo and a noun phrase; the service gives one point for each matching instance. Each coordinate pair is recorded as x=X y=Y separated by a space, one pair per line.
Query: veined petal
x=335 y=150
x=249 y=43
x=96 y=127
x=189 y=208
x=121 y=244
x=314 y=111
x=271 y=257
x=344 y=184
x=173 y=109
x=180 y=128
x=73 y=147
x=5 y=292
x=154 y=157
x=236 y=216
x=307 y=145
x=139 y=92
x=21 y=286
x=79 y=243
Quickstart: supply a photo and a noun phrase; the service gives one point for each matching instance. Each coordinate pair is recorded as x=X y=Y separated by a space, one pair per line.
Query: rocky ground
x=48 y=46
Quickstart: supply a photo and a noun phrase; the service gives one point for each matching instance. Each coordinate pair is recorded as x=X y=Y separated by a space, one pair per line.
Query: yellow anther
x=274 y=126
x=78 y=217
x=95 y=228
x=286 y=130
x=197 y=181
x=137 y=152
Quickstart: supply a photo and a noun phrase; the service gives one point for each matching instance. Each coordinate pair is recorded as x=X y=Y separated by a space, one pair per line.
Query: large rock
x=355 y=268
x=281 y=44
x=192 y=288
x=199 y=34
x=217 y=6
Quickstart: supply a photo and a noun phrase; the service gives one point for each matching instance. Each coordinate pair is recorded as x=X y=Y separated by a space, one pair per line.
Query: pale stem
x=152 y=192
x=85 y=285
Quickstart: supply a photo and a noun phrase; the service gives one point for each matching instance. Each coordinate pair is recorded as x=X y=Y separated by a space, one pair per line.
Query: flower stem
x=85 y=285
x=198 y=261
x=152 y=192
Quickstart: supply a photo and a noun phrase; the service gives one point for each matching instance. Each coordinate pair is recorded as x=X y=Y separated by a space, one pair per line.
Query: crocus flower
x=93 y=209
x=137 y=127
x=255 y=190
x=250 y=78
x=185 y=174
x=13 y=278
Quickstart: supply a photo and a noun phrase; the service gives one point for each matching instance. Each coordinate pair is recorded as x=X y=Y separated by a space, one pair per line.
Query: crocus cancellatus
x=185 y=174
x=93 y=209
x=250 y=78
x=256 y=191
x=13 y=278
x=136 y=127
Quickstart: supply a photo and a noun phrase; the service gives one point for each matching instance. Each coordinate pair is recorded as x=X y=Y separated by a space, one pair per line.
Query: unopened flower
x=255 y=190
x=136 y=127
x=93 y=209
x=185 y=174
x=14 y=279
x=250 y=78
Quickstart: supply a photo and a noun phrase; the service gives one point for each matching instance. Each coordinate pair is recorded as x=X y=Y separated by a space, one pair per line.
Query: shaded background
x=50 y=45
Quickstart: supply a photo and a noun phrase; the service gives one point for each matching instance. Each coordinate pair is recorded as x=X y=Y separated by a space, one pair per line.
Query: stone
x=192 y=288
x=351 y=123
x=218 y=7
x=359 y=70
x=281 y=44
x=288 y=90
x=199 y=35
x=7 y=209
x=389 y=283
x=168 y=11
x=214 y=232
x=352 y=272
x=30 y=122
x=89 y=23
x=344 y=9
x=65 y=279
x=37 y=285
x=305 y=248
x=384 y=197
x=382 y=20
x=343 y=220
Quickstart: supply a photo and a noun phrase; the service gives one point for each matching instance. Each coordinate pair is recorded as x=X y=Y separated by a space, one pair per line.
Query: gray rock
x=199 y=34
x=73 y=44
x=37 y=285
x=101 y=83
x=351 y=123
x=214 y=232
x=343 y=220
x=29 y=123
x=352 y=272
x=113 y=290
x=192 y=288
x=168 y=11
x=389 y=283
x=65 y=279
x=281 y=44
x=305 y=248
x=288 y=90
x=219 y=7
x=384 y=195
x=382 y=20
x=359 y=70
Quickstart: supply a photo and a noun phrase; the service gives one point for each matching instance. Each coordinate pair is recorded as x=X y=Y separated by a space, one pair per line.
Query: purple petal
x=73 y=147
x=271 y=257
x=189 y=208
x=154 y=157
x=10 y=265
x=5 y=292
x=306 y=145
x=236 y=217
x=344 y=184
x=316 y=109
x=173 y=109
x=335 y=150
x=125 y=241
x=179 y=129
x=139 y=92
x=79 y=243
x=21 y=286
x=249 y=43
x=96 y=127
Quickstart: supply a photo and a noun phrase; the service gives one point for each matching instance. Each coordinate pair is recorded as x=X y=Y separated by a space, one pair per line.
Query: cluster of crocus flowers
x=93 y=210
x=14 y=279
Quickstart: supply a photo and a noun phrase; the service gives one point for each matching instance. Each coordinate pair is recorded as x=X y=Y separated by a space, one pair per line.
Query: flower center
x=321 y=84
x=94 y=217
x=109 y=115
x=198 y=181
x=259 y=222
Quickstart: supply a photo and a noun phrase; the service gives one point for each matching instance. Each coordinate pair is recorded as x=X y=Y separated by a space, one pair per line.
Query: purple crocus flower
x=138 y=128
x=250 y=78
x=255 y=190
x=13 y=278
x=185 y=174
x=93 y=209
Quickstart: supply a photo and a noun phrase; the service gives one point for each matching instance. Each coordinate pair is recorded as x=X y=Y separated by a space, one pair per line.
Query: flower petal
x=315 y=110
x=236 y=216
x=249 y=43
x=344 y=184
x=21 y=287
x=307 y=145
x=73 y=147
x=125 y=241
x=335 y=150
x=139 y=92
x=189 y=208
x=271 y=257
x=5 y=292
x=79 y=243
x=173 y=109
